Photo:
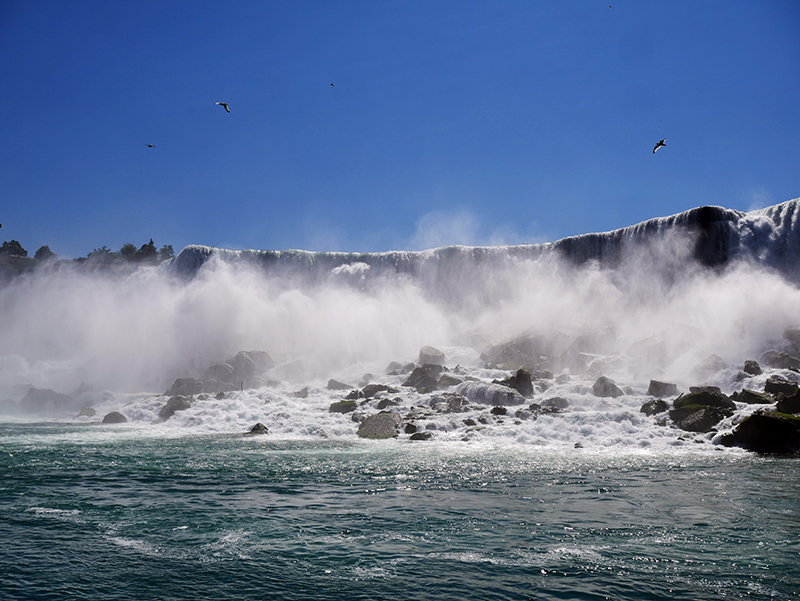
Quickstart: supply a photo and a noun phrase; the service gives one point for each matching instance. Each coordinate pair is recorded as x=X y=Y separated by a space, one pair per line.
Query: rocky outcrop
x=701 y=411
x=87 y=412
x=605 y=387
x=185 y=387
x=489 y=394
x=424 y=378
x=654 y=407
x=780 y=360
x=345 y=406
x=766 y=432
x=44 y=399
x=257 y=430
x=242 y=370
x=429 y=355
x=662 y=389
x=176 y=403
x=520 y=381
x=115 y=417
x=336 y=385
x=752 y=397
x=752 y=368
x=789 y=404
x=780 y=386
x=382 y=425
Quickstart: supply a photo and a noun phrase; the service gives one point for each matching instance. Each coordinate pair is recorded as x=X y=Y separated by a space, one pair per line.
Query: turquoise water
x=88 y=512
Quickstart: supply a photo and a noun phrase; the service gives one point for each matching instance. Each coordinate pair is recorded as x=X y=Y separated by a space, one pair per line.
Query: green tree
x=166 y=252
x=13 y=248
x=103 y=255
x=128 y=251
x=147 y=252
x=44 y=253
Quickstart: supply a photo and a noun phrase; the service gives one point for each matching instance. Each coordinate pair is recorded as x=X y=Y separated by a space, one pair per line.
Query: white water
x=117 y=343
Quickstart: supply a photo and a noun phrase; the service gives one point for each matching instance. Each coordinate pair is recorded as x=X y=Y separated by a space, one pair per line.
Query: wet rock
x=185 y=387
x=498 y=411
x=701 y=411
x=662 y=389
x=752 y=397
x=605 y=387
x=777 y=385
x=379 y=426
x=370 y=390
x=448 y=381
x=345 y=406
x=654 y=407
x=792 y=333
x=336 y=385
x=424 y=378
x=301 y=394
x=87 y=412
x=355 y=395
x=780 y=360
x=699 y=389
x=449 y=402
x=115 y=417
x=752 y=367
x=520 y=381
x=557 y=402
x=429 y=355
x=176 y=403
x=258 y=430
x=44 y=399
x=384 y=403
x=410 y=428
x=789 y=404
x=766 y=432
x=702 y=420
x=421 y=436
x=489 y=394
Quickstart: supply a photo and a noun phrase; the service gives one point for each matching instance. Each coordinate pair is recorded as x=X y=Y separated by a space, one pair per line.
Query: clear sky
x=449 y=122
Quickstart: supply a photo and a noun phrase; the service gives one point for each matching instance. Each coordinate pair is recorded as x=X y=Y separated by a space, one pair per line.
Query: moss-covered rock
x=767 y=432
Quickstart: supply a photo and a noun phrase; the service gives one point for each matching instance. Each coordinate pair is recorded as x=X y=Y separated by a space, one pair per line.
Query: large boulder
x=605 y=387
x=429 y=355
x=662 y=389
x=766 y=432
x=752 y=397
x=382 y=425
x=520 y=381
x=370 y=390
x=115 y=417
x=489 y=394
x=701 y=411
x=241 y=370
x=345 y=406
x=257 y=430
x=654 y=407
x=185 y=387
x=176 y=403
x=777 y=385
x=44 y=399
x=780 y=360
x=531 y=351
x=789 y=404
x=336 y=385
x=424 y=378
x=752 y=368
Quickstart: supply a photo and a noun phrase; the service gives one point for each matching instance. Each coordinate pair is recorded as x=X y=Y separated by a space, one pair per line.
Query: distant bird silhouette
x=660 y=144
x=150 y=146
x=224 y=105
x=331 y=85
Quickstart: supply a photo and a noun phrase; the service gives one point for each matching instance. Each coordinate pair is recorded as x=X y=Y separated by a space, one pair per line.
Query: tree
x=166 y=252
x=44 y=253
x=128 y=251
x=103 y=255
x=147 y=252
x=13 y=248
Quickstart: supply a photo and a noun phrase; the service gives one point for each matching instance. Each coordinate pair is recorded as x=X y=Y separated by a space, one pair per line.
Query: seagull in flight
x=660 y=144
x=150 y=146
x=224 y=105
x=331 y=85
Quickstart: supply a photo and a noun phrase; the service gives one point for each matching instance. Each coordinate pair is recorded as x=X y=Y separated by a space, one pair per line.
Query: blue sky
x=449 y=122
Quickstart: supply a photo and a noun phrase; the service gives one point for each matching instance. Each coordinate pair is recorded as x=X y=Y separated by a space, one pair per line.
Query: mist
x=136 y=332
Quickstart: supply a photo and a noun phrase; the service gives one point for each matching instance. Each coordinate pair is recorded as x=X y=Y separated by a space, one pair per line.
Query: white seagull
x=224 y=105
x=660 y=144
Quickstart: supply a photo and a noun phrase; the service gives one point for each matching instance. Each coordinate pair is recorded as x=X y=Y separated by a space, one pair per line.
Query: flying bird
x=150 y=146
x=224 y=105
x=331 y=85
x=660 y=144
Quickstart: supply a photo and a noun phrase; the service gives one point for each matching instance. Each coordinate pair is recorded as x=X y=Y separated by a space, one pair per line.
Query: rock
x=87 y=412
x=489 y=394
x=751 y=397
x=185 y=387
x=258 y=430
x=752 y=367
x=44 y=399
x=449 y=402
x=410 y=428
x=429 y=355
x=701 y=411
x=355 y=395
x=384 y=403
x=115 y=417
x=421 y=436
x=447 y=381
x=777 y=385
x=336 y=385
x=556 y=402
x=698 y=389
x=370 y=390
x=711 y=365
x=605 y=387
x=780 y=360
x=662 y=389
x=530 y=351
x=424 y=378
x=520 y=381
x=176 y=403
x=789 y=404
x=654 y=407
x=498 y=411
x=301 y=394
x=766 y=432
x=343 y=406
x=379 y=426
